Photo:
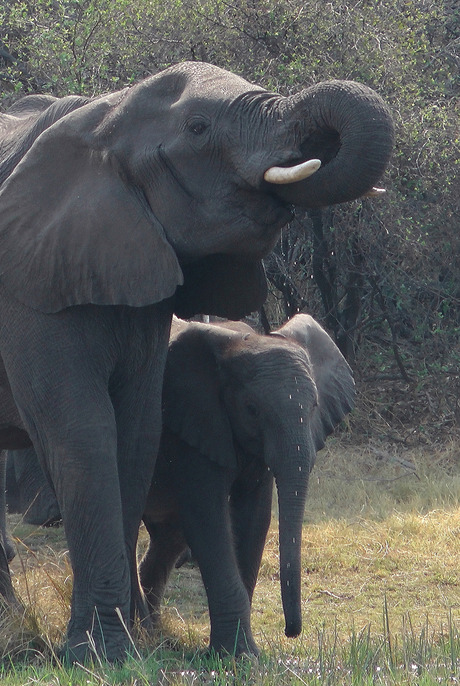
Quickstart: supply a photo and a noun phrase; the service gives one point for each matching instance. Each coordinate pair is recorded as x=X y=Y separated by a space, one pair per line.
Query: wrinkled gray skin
x=115 y=212
x=233 y=405
x=28 y=491
x=240 y=410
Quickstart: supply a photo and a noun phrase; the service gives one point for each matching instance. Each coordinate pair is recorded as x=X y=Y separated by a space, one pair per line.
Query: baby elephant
x=239 y=411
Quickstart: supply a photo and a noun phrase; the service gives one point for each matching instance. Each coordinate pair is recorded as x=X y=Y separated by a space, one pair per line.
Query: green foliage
x=394 y=281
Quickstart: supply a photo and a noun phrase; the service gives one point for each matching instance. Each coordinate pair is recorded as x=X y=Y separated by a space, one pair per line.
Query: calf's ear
x=330 y=371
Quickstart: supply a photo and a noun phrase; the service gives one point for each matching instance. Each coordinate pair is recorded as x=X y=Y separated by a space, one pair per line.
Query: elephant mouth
x=263 y=216
x=265 y=210
x=273 y=218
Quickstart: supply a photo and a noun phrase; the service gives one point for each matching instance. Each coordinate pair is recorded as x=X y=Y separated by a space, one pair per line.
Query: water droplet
x=300 y=469
x=290 y=396
x=296 y=492
x=288 y=566
x=293 y=540
x=301 y=420
x=287 y=582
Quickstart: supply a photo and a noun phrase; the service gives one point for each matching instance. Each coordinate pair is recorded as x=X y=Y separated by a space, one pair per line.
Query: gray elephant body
x=240 y=410
x=115 y=212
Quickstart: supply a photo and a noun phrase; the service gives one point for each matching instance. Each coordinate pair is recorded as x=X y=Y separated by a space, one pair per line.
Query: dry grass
x=380 y=556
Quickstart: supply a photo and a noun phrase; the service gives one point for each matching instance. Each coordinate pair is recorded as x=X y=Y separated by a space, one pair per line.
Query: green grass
x=380 y=590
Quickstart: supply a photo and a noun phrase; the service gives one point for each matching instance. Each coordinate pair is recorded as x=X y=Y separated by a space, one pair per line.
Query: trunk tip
x=293 y=628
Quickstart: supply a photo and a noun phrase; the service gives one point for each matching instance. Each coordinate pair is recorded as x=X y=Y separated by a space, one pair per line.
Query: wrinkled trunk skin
x=349 y=128
x=291 y=473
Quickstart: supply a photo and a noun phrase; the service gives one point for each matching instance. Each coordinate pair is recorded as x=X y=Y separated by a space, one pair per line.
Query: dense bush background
x=382 y=275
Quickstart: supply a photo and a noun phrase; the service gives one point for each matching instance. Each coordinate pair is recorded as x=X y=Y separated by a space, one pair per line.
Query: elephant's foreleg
x=81 y=461
x=59 y=368
x=136 y=396
x=205 y=519
x=250 y=507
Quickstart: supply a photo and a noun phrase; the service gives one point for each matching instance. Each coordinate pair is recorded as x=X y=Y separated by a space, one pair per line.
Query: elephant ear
x=192 y=406
x=74 y=230
x=33 y=114
x=331 y=372
x=222 y=285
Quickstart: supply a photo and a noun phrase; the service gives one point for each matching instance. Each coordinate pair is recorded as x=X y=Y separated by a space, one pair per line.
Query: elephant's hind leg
x=166 y=545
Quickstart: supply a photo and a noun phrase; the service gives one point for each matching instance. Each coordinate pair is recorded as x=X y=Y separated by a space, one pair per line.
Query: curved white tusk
x=281 y=175
x=374 y=193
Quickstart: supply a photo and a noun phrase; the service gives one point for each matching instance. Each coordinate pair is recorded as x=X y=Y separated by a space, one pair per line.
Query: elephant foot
x=110 y=647
x=242 y=644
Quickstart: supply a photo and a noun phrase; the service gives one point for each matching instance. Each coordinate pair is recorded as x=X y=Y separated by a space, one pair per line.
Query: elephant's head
x=235 y=395
x=180 y=183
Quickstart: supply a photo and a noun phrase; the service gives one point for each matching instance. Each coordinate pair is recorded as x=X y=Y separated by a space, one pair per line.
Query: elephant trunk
x=346 y=126
x=291 y=479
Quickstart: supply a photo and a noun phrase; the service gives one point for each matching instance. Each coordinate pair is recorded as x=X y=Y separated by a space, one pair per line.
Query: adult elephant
x=114 y=212
x=240 y=409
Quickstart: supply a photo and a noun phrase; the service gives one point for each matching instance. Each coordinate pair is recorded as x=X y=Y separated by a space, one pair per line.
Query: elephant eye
x=197 y=126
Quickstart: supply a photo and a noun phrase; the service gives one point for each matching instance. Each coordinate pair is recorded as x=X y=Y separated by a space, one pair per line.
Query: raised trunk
x=291 y=475
x=348 y=127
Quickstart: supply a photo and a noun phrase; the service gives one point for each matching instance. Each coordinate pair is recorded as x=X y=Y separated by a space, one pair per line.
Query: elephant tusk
x=374 y=193
x=281 y=175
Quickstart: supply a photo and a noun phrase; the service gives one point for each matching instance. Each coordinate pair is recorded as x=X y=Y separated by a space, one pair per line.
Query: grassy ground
x=381 y=588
